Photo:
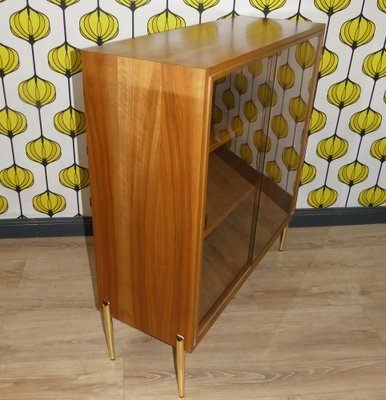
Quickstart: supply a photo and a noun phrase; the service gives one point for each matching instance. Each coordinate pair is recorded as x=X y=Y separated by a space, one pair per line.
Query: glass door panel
x=258 y=118
x=237 y=121
x=290 y=84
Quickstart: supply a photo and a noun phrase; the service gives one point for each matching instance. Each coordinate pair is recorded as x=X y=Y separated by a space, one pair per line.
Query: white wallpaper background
x=43 y=160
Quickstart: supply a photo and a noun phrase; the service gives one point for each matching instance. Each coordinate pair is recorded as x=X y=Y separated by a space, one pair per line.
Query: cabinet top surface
x=212 y=44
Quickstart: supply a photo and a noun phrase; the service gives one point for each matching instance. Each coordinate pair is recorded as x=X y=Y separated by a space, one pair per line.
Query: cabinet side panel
x=148 y=132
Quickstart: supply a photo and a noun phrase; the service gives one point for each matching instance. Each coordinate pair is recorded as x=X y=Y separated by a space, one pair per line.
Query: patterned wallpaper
x=43 y=160
x=259 y=110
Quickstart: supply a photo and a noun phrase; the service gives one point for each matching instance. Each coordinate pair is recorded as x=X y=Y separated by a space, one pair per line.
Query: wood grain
x=217 y=46
x=147 y=187
x=148 y=105
x=61 y=379
x=307 y=325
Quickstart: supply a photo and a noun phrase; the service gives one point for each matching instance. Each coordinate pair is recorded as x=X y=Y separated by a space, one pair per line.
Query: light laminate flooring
x=309 y=324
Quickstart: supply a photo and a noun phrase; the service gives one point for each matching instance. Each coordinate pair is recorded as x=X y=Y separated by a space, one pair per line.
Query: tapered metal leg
x=108 y=326
x=282 y=238
x=180 y=364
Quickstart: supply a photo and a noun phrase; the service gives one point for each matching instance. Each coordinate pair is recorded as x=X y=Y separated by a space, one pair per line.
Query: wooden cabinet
x=195 y=140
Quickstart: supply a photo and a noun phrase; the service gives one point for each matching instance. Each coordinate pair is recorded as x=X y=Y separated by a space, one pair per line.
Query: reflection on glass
x=258 y=119
x=266 y=27
x=229 y=210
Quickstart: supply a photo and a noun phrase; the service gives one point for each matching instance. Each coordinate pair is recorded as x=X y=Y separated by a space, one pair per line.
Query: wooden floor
x=310 y=324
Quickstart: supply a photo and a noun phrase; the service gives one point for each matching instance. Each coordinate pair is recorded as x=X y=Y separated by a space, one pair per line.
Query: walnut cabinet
x=196 y=139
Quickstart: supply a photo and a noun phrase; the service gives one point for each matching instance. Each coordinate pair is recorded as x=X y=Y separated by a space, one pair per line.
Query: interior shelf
x=226 y=249
x=234 y=190
x=217 y=141
x=225 y=190
x=225 y=252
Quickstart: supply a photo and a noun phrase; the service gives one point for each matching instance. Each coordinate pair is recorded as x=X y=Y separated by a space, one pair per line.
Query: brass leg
x=180 y=361
x=282 y=238
x=108 y=326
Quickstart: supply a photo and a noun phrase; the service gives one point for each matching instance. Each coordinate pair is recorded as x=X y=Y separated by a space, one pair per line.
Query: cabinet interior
x=258 y=115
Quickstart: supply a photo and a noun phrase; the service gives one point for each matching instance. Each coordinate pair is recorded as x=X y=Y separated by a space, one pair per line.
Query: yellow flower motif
x=12 y=122
x=133 y=4
x=286 y=76
x=305 y=55
x=37 y=91
x=353 y=173
x=246 y=153
x=261 y=27
x=208 y=33
x=216 y=114
x=99 y=26
x=322 y=197
x=250 y=111
x=43 y=151
x=262 y=141
x=382 y=5
x=365 y=121
x=290 y=158
x=228 y=99
x=201 y=5
x=49 y=203
x=308 y=174
x=164 y=21
x=372 y=197
x=328 y=63
x=64 y=3
x=65 y=59
x=374 y=65
x=3 y=205
x=273 y=171
x=343 y=93
x=232 y=14
x=241 y=83
x=331 y=7
x=298 y=109
x=70 y=121
x=266 y=95
x=29 y=24
x=9 y=60
x=74 y=177
x=332 y=148
x=255 y=68
x=279 y=126
x=299 y=17
x=317 y=122
x=378 y=149
x=16 y=178
x=237 y=125
x=266 y=6
x=357 y=31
